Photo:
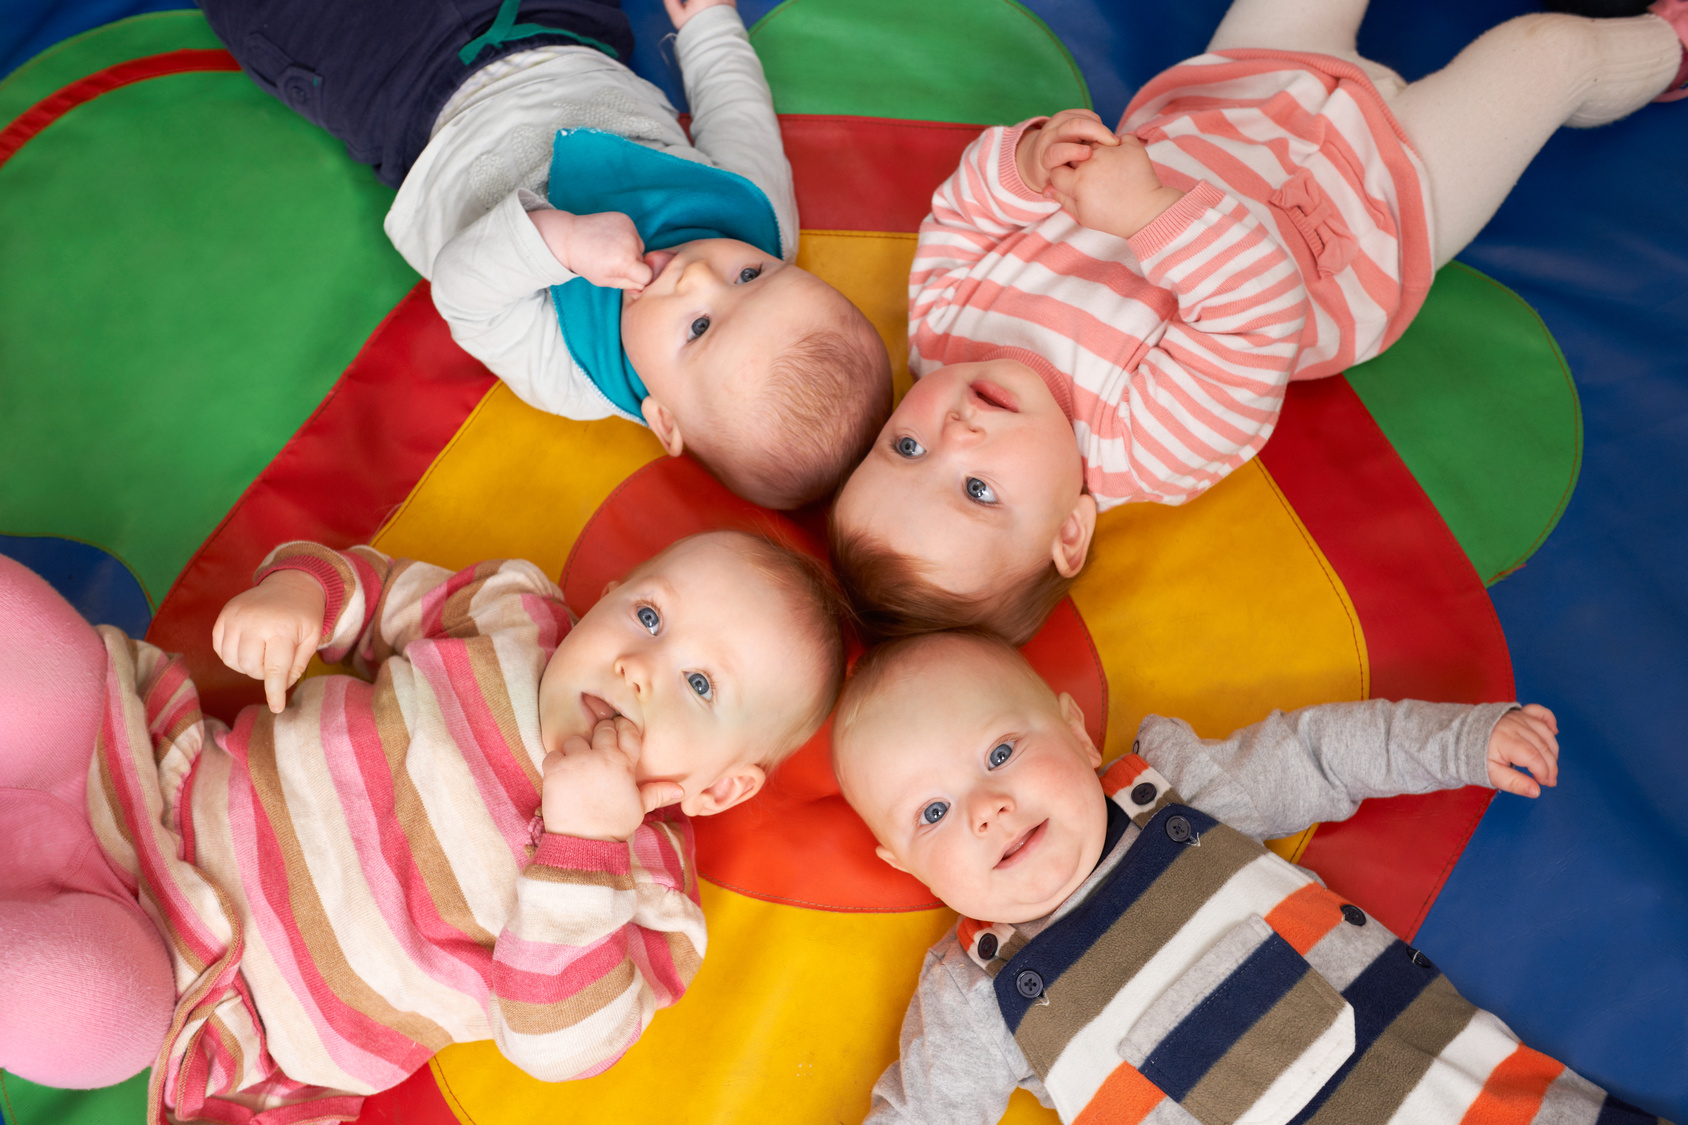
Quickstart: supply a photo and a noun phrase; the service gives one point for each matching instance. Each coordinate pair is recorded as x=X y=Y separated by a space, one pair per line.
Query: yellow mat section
x=777 y=1038
x=1217 y=611
x=1206 y=612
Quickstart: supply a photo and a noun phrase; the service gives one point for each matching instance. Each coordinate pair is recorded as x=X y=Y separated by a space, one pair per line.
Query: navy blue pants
x=375 y=73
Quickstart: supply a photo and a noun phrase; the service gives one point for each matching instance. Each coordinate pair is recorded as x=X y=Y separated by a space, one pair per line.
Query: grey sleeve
x=1294 y=769
x=958 y=1064
x=733 y=119
x=492 y=284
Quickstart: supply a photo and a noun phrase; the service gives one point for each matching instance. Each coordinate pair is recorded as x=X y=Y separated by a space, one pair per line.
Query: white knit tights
x=1479 y=121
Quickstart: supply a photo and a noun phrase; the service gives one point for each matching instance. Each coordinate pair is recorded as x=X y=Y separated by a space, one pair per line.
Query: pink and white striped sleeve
x=1203 y=398
x=973 y=212
x=602 y=936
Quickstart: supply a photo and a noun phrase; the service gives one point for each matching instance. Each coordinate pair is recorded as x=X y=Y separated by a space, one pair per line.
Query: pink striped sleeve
x=1206 y=395
x=980 y=206
x=603 y=935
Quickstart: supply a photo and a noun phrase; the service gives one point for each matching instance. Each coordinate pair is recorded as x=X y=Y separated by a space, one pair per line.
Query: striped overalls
x=1208 y=978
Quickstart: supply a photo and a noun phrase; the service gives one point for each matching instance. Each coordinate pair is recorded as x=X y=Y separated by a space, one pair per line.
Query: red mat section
x=353 y=461
x=1431 y=633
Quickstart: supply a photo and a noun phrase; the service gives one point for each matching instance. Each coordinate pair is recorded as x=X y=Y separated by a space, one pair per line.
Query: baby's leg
x=1481 y=119
x=86 y=992
x=86 y=987
x=1327 y=27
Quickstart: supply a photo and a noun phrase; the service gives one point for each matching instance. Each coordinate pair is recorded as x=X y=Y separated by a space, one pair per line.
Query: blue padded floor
x=1568 y=916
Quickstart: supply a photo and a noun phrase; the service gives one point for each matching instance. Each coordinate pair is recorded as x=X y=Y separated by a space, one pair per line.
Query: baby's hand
x=1115 y=190
x=270 y=631
x=1524 y=738
x=682 y=10
x=590 y=789
x=1065 y=139
x=604 y=248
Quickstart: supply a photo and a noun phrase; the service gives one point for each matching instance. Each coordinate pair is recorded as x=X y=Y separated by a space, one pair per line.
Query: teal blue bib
x=670 y=200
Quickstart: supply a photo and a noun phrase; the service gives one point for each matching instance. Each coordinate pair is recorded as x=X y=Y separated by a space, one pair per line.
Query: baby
x=1128 y=951
x=657 y=283
x=1100 y=318
x=488 y=841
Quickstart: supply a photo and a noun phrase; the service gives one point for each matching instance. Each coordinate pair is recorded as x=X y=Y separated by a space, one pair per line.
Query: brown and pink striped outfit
x=351 y=885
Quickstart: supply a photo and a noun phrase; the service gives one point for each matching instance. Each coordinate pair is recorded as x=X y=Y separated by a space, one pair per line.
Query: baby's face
x=976 y=474
x=977 y=784
x=703 y=334
x=695 y=651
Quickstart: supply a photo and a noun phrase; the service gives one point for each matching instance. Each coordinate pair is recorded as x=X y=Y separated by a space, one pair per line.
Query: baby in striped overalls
x=1270 y=211
x=1129 y=952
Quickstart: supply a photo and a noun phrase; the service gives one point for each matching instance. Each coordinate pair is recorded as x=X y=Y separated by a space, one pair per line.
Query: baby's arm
x=973 y=212
x=1204 y=398
x=492 y=284
x=958 y=1064
x=1301 y=767
x=604 y=933
x=360 y=605
x=733 y=119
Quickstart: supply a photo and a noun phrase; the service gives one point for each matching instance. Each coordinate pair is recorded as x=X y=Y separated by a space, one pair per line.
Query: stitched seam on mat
x=783 y=900
x=1447 y=869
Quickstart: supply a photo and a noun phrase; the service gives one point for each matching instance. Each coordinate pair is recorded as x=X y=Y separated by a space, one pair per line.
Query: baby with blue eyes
x=1128 y=950
x=501 y=789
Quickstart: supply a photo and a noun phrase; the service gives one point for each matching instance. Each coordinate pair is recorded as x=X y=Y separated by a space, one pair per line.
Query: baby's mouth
x=596 y=709
x=994 y=396
x=658 y=261
x=1022 y=844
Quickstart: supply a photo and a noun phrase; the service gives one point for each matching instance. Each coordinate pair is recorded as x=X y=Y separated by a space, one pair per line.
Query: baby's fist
x=604 y=248
x=1066 y=139
x=591 y=789
x=682 y=10
x=270 y=631
x=1528 y=739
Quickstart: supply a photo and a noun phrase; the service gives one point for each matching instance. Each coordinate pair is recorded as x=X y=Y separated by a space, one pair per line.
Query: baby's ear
x=884 y=853
x=1072 y=539
x=661 y=421
x=737 y=785
x=1073 y=715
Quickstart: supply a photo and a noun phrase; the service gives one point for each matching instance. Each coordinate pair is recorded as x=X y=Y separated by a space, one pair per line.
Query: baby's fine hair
x=814 y=600
x=884 y=663
x=826 y=398
x=892 y=597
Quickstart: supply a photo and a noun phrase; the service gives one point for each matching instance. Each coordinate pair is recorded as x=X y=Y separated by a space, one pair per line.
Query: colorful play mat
x=207 y=346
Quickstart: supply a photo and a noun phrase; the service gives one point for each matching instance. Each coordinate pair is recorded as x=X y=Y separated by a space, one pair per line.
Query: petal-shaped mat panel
x=889 y=58
x=152 y=372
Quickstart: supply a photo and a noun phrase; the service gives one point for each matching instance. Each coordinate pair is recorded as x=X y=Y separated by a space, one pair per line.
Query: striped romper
x=1200 y=977
x=1302 y=247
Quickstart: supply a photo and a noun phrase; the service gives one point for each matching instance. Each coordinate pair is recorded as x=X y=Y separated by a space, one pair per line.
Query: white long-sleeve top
x=460 y=216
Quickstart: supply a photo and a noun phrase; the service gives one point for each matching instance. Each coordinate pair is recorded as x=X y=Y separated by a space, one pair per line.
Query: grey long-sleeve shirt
x=460 y=217
x=959 y=1063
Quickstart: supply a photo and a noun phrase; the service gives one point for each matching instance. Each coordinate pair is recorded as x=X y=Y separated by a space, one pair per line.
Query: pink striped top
x=1301 y=248
x=350 y=886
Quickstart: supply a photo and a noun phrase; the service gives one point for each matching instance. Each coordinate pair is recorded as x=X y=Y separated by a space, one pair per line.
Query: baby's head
x=723 y=650
x=972 y=774
x=969 y=510
x=769 y=375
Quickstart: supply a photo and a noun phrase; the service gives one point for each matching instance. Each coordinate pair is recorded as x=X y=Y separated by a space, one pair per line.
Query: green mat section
x=25 y=1103
x=986 y=61
x=78 y=57
x=1477 y=400
x=201 y=266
